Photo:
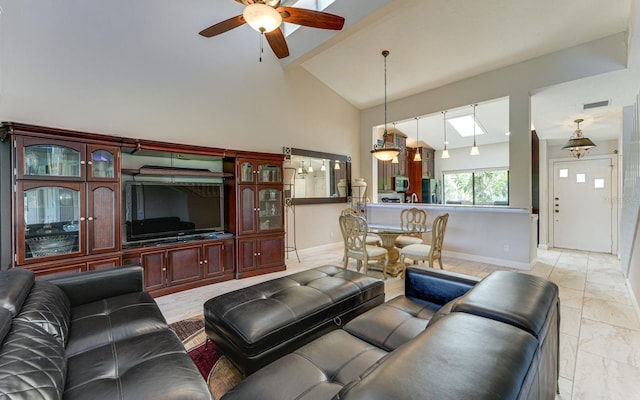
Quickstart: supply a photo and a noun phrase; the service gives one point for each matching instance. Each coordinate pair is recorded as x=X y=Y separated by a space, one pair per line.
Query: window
x=484 y=187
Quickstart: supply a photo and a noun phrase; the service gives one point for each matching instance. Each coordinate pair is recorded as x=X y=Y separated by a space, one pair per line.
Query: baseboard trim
x=490 y=260
x=543 y=246
x=634 y=299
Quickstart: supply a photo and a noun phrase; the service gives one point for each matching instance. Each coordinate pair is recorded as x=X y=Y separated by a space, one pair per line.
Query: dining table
x=388 y=236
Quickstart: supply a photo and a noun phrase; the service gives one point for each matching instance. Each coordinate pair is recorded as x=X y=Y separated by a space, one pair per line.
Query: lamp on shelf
x=417 y=157
x=578 y=145
x=385 y=152
x=445 y=152
x=474 y=149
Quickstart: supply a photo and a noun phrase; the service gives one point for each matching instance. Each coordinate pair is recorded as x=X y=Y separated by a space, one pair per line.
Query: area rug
x=220 y=373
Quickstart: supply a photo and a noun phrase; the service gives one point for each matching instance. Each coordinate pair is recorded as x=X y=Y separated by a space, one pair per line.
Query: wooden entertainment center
x=70 y=212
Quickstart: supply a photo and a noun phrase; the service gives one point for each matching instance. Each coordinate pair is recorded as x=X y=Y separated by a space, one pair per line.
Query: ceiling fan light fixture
x=578 y=145
x=262 y=17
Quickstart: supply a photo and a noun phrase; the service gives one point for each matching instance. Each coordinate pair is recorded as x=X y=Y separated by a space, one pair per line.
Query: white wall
x=491 y=156
x=231 y=101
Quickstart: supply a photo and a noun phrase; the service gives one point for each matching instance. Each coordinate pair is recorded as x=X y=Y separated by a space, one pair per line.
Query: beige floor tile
x=570 y=320
x=609 y=312
x=602 y=378
x=568 y=351
x=620 y=344
x=608 y=292
x=571 y=297
x=568 y=278
x=606 y=277
x=541 y=269
x=566 y=387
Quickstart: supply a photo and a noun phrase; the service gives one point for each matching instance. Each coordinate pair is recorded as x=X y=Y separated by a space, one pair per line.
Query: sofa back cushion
x=524 y=301
x=48 y=307
x=32 y=364
x=461 y=356
x=14 y=287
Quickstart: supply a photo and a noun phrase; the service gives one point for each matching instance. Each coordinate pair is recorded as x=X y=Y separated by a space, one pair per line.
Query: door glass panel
x=581 y=178
x=269 y=173
x=51 y=217
x=51 y=160
x=102 y=164
x=598 y=183
x=246 y=172
x=563 y=173
x=270 y=209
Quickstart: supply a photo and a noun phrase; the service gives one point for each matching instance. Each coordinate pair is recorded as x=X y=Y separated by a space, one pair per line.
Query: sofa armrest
x=87 y=287
x=436 y=286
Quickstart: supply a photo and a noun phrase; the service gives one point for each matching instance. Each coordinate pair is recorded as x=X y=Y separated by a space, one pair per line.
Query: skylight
x=318 y=5
x=464 y=125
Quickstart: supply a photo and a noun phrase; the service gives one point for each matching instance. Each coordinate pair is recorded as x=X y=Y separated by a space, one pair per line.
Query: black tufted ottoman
x=258 y=324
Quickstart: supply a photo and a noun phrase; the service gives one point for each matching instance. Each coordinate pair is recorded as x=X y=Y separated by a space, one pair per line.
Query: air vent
x=596 y=104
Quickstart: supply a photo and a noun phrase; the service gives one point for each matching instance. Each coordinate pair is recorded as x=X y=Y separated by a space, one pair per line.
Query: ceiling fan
x=266 y=16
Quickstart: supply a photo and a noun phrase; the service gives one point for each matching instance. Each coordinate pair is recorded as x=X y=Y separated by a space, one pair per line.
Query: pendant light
x=336 y=165
x=578 y=145
x=385 y=152
x=445 y=152
x=417 y=157
x=474 y=149
x=323 y=168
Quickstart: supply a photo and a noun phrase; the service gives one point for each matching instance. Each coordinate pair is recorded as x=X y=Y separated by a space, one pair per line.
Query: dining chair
x=354 y=233
x=414 y=222
x=422 y=252
x=371 y=238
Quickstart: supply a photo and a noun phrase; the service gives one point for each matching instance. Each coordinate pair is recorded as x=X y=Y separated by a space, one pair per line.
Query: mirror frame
x=344 y=159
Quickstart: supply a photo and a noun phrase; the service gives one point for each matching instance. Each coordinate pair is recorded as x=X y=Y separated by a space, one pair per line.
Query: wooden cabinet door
x=248 y=210
x=53 y=272
x=50 y=220
x=155 y=272
x=184 y=265
x=39 y=158
x=247 y=254
x=270 y=252
x=103 y=217
x=106 y=263
x=218 y=258
x=103 y=163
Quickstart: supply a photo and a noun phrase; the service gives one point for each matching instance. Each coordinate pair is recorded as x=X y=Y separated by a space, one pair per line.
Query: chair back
x=354 y=232
x=413 y=220
x=351 y=211
x=437 y=234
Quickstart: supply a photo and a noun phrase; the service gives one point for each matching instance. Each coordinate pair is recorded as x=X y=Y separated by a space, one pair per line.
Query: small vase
x=342 y=188
x=359 y=189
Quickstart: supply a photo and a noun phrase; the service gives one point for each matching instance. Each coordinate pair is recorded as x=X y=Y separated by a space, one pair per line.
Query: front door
x=583 y=205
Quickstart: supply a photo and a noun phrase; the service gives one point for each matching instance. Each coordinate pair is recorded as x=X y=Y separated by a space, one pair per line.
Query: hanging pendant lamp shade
x=417 y=157
x=445 y=152
x=474 y=150
x=578 y=145
x=385 y=152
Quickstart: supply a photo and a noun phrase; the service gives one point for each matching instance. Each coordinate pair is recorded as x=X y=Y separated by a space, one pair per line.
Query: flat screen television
x=161 y=209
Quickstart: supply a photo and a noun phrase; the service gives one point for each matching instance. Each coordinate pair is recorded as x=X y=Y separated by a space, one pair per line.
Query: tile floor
x=600 y=329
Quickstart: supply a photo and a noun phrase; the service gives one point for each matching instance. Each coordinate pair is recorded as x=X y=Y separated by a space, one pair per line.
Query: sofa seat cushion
x=392 y=323
x=48 y=307
x=153 y=365
x=270 y=316
x=32 y=364
x=110 y=320
x=317 y=370
x=462 y=356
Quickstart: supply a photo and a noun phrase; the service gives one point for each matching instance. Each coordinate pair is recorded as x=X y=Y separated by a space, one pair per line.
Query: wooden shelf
x=168 y=171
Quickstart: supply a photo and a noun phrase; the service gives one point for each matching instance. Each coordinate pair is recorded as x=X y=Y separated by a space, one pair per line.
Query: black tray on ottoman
x=258 y=324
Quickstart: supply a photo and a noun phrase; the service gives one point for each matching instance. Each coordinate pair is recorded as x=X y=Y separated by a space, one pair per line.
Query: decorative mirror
x=314 y=177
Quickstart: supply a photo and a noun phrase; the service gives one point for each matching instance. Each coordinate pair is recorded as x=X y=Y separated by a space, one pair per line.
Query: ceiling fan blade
x=245 y=1
x=314 y=19
x=278 y=43
x=222 y=27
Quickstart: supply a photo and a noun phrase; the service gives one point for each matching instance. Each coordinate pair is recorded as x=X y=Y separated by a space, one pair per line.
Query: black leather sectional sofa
x=448 y=337
x=95 y=335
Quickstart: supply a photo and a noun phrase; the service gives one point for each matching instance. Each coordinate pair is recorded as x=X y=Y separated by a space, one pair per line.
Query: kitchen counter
x=491 y=234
